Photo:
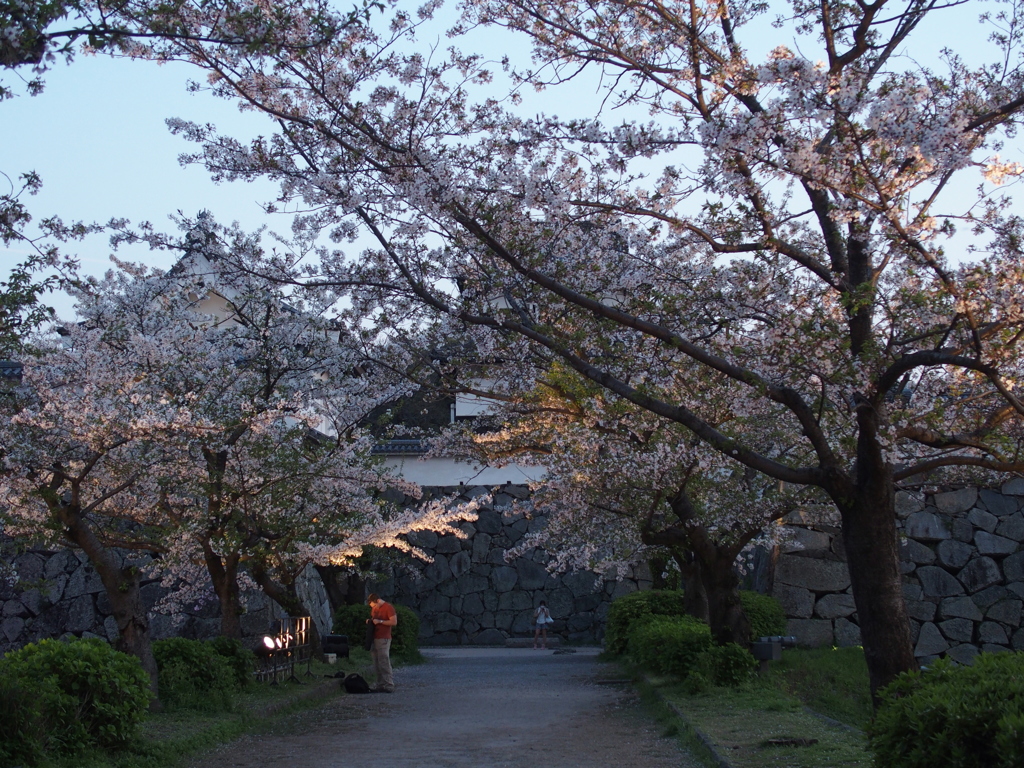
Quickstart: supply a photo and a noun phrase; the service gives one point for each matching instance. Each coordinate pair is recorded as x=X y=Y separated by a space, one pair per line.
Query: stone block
x=30 y=567
x=110 y=629
x=581 y=582
x=991 y=544
x=470 y=582
x=560 y=602
x=1018 y=640
x=81 y=614
x=623 y=588
x=448 y=545
x=980 y=573
x=60 y=563
x=953 y=553
x=998 y=504
x=496 y=556
x=960 y=608
x=926 y=526
x=504 y=578
x=1013 y=567
x=490 y=637
x=979 y=518
x=446 y=622
x=486 y=620
x=12 y=628
x=811 y=633
x=916 y=552
x=589 y=603
x=963 y=654
x=990 y=596
x=930 y=641
x=481 y=546
x=993 y=648
x=1013 y=487
x=488 y=521
x=956 y=502
x=472 y=605
x=812 y=574
x=531 y=575
x=580 y=622
x=991 y=632
x=907 y=503
x=834 y=607
x=958 y=630
x=503 y=620
x=801 y=539
x=460 y=563
x=1012 y=527
x=423 y=539
x=797 y=602
x=1017 y=588
x=490 y=601
x=962 y=530
x=912 y=591
x=523 y=622
x=814 y=515
x=847 y=633
x=938 y=583
x=922 y=610
x=14 y=608
x=437 y=571
x=1006 y=611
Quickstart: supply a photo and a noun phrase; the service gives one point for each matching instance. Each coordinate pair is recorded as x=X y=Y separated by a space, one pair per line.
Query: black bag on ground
x=354 y=683
x=368 y=643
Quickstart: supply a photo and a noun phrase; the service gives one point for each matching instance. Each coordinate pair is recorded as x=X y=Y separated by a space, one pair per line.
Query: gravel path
x=473 y=708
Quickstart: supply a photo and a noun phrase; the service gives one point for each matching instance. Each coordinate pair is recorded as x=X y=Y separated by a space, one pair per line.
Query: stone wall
x=58 y=594
x=469 y=594
x=962 y=564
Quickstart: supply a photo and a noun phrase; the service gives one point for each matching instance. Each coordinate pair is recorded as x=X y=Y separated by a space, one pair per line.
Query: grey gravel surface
x=473 y=708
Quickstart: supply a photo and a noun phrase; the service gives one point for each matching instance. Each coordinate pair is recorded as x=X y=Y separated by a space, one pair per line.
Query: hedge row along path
x=474 y=708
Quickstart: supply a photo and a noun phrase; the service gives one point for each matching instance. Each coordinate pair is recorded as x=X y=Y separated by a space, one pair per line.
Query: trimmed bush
x=764 y=613
x=351 y=620
x=728 y=665
x=193 y=675
x=241 y=660
x=956 y=717
x=636 y=605
x=668 y=644
x=23 y=726
x=79 y=694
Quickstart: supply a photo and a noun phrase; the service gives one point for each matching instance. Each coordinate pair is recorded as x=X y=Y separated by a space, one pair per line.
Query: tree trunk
x=285 y=596
x=729 y=623
x=123 y=590
x=224 y=575
x=695 y=597
x=868 y=511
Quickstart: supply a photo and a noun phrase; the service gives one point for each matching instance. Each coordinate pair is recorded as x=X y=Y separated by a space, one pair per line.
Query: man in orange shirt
x=383 y=618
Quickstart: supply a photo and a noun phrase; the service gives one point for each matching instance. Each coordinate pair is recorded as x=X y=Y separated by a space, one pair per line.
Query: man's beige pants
x=381 y=653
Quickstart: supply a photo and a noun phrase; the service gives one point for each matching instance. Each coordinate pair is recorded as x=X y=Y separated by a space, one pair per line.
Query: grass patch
x=169 y=739
x=832 y=682
x=758 y=725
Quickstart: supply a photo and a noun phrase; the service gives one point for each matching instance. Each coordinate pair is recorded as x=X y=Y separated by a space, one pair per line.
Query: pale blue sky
x=97 y=138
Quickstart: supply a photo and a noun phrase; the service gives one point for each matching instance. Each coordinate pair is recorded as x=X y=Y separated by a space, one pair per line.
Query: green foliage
x=193 y=675
x=668 y=644
x=956 y=717
x=832 y=681
x=240 y=658
x=82 y=694
x=636 y=605
x=23 y=725
x=764 y=613
x=351 y=620
x=729 y=665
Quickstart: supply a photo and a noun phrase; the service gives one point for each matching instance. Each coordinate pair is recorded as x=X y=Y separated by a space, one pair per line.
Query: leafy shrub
x=668 y=644
x=627 y=609
x=729 y=664
x=82 y=694
x=351 y=620
x=241 y=660
x=956 y=717
x=193 y=675
x=765 y=614
x=23 y=726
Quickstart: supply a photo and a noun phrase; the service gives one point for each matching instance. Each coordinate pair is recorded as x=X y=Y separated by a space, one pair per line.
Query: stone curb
x=702 y=737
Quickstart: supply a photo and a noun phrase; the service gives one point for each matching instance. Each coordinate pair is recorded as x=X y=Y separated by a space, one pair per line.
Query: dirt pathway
x=473 y=708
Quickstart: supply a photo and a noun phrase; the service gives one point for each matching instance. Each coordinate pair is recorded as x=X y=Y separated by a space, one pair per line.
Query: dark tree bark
x=123 y=591
x=224 y=575
x=285 y=595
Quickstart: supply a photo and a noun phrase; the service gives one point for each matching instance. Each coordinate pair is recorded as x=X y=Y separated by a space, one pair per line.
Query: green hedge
x=241 y=660
x=194 y=676
x=765 y=614
x=351 y=620
x=954 y=717
x=638 y=605
x=63 y=697
x=668 y=644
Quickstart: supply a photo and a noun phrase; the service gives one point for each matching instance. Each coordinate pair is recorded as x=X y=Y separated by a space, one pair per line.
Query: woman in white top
x=541 y=618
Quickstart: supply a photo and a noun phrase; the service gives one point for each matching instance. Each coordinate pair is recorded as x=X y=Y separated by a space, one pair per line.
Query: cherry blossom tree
x=786 y=226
